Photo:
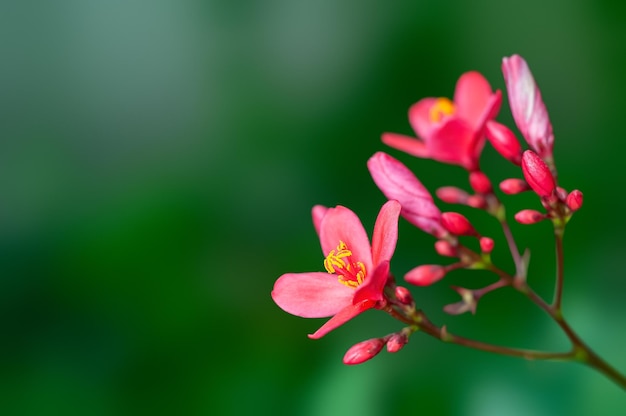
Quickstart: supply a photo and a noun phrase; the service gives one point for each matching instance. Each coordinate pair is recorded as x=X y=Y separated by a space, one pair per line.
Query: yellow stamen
x=338 y=262
x=443 y=107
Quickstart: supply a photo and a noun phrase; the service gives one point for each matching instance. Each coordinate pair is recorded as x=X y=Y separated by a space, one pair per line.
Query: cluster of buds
x=358 y=272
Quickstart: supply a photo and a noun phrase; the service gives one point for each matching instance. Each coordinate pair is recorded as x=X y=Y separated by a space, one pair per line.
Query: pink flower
x=451 y=132
x=527 y=107
x=356 y=272
x=397 y=182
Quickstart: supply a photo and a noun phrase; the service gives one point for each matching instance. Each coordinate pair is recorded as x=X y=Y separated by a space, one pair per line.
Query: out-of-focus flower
x=504 y=141
x=457 y=224
x=425 y=275
x=451 y=131
x=356 y=271
x=527 y=107
x=397 y=182
x=529 y=216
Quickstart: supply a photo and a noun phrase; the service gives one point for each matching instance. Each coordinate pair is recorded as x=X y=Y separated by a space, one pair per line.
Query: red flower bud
x=513 y=186
x=457 y=224
x=452 y=195
x=574 y=200
x=396 y=342
x=363 y=351
x=425 y=275
x=537 y=174
x=445 y=248
x=480 y=183
x=476 y=201
x=486 y=244
x=529 y=216
x=504 y=141
x=403 y=295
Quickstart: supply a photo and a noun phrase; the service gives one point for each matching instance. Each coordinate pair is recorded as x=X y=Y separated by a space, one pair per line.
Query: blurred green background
x=158 y=163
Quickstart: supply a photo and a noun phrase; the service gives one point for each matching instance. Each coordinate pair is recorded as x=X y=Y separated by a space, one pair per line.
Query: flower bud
x=537 y=174
x=504 y=141
x=425 y=275
x=403 y=295
x=445 y=248
x=457 y=224
x=529 y=216
x=363 y=351
x=477 y=201
x=480 y=183
x=513 y=186
x=527 y=107
x=486 y=244
x=574 y=200
x=452 y=195
x=396 y=342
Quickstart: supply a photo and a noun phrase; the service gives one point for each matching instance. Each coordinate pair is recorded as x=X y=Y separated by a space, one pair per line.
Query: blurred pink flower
x=356 y=272
x=397 y=182
x=527 y=107
x=451 y=132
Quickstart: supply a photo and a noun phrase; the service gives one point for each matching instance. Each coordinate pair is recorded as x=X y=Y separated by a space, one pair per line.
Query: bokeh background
x=158 y=163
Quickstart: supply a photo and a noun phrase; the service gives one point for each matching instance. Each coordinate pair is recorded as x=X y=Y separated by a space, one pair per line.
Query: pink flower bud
x=363 y=351
x=504 y=141
x=574 y=200
x=537 y=174
x=561 y=193
x=486 y=244
x=529 y=216
x=396 y=342
x=425 y=275
x=457 y=224
x=477 y=201
x=452 y=195
x=445 y=248
x=480 y=183
x=403 y=295
x=527 y=107
x=513 y=186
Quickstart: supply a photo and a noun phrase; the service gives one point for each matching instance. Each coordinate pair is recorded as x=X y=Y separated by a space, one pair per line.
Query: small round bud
x=574 y=200
x=363 y=351
x=452 y=195
x=403 y=295
x=457 y=224
x=513 y=186
x=445 y=248
x=477 y=201
x=425 y=275
x=486 y=244
x=529 y=216
x=396 y=342
x=480 y=183
x=537 y=174
x=504 y=141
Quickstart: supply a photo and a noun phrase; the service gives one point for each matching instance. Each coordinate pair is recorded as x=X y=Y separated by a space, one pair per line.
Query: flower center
x=339 y=261
x=443 y=107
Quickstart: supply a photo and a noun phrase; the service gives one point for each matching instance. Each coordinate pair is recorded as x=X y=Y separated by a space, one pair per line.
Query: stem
x=558 y=289
x=517 y=258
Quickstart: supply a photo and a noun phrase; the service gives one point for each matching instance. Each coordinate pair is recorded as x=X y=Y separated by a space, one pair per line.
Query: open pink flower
x=356 y=272
x=451 y=132
x=527 y=107
x=398 y=183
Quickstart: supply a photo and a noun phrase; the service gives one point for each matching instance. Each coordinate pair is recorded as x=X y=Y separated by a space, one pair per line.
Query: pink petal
x=471 y=95
x=342 y=317
x=385 y=232
x=374 y=284
x=419 y=117
x=397 y=182
x=410 y=145
x=318 y=213
x=341 y=224
x=455 y=142
x=311 y=295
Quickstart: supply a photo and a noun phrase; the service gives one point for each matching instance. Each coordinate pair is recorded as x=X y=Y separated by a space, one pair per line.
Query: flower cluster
x=358 y=277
